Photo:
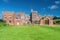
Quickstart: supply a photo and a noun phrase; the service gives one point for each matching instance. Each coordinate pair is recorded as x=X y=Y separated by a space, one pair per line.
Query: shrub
x=56 y=22
x=36 y=22
x=2 y=23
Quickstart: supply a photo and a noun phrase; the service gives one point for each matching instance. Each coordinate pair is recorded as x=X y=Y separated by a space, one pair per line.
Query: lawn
x=29 y=32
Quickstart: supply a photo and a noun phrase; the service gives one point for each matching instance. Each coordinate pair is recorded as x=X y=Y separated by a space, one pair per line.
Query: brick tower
x=34 y=16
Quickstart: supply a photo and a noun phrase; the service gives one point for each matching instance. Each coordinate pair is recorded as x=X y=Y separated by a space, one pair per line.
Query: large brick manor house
x=21 y=18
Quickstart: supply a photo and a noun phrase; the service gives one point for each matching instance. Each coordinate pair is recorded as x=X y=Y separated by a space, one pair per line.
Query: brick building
x=8 y=17
x=48 y=20
x=15 y=19
x=21 y=18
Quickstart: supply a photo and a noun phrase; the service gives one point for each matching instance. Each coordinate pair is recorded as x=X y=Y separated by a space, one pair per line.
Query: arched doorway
x=47 y=21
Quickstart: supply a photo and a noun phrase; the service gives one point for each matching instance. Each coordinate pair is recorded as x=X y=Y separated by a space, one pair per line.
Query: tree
x=2 y=22
x=55 y=17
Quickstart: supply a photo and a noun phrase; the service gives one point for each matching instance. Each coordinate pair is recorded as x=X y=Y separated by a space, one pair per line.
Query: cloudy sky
x=42 y=6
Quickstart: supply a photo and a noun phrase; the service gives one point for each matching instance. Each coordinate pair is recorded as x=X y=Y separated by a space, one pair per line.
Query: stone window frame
x=22 y=17
x=34 y=17
x=10 y=17
x=5 y=17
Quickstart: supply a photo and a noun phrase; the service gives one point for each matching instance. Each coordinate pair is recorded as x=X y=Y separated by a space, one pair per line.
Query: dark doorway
x=10 y=21
x=47 y=21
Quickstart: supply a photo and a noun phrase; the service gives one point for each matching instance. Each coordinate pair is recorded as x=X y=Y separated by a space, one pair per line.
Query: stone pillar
x=7 y=21
x=50 y=22
x=41 y=22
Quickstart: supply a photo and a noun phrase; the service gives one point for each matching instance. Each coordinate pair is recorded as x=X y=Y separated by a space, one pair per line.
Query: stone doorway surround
x=47 y=21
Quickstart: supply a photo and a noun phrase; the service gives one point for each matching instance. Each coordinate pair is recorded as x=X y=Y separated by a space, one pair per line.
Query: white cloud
x=53 y=7
x=5 y=1
x=57 y=2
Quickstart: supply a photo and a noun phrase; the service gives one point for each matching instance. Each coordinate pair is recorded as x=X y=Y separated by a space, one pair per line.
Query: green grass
x=29 y=32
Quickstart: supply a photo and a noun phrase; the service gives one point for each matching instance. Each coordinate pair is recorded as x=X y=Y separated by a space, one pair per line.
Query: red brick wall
x=19 y=22
x=42 y=21
x=10 y=16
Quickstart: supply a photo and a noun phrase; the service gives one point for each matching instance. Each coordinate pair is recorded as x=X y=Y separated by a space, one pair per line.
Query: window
x=5 y=17
x=34 y=17
x=10 y=17
x=9 y=21
x=16 y=17
x=22 y=17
